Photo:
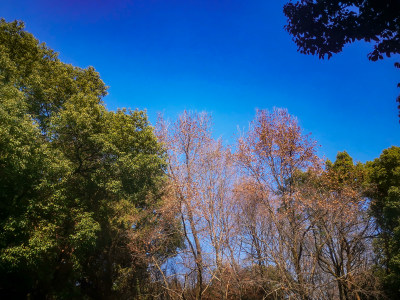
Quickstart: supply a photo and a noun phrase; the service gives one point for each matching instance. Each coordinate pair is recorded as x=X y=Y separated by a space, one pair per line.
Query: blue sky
x=227 y=57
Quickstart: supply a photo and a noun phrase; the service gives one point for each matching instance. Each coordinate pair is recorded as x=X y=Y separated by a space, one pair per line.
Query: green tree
x=80 y=186
x=384 y=177
x=25 y=239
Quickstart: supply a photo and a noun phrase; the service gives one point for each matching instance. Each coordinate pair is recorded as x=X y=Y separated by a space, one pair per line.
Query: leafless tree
x=266 y=221
x=278 y=233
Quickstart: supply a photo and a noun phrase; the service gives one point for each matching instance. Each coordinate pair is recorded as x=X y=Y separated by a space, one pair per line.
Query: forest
x=101 y=204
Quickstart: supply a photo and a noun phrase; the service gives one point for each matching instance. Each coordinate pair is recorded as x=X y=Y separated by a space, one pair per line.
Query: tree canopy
x=74 y=179
x=323 y=27
x=384 y=177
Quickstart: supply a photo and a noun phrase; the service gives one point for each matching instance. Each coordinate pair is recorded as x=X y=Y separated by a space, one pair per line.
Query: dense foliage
x=324 y=27
x=385 y=192
x=74 y=178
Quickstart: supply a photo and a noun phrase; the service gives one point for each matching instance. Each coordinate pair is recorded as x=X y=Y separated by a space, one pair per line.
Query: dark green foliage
x=74 y=177
x=322 y=27
x=384 y=175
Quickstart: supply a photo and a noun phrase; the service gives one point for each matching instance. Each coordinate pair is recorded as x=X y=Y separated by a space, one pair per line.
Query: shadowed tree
x=324 y=27
x=384 y=177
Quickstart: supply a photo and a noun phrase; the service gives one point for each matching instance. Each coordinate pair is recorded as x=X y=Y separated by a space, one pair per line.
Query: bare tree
x=342 y=229
x=202 y=173
x=277 y=231
x=185 y=142
x=217 y=180
x=266 y=222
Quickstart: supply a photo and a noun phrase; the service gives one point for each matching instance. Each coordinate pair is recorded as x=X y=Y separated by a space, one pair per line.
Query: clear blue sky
x=227 y=57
